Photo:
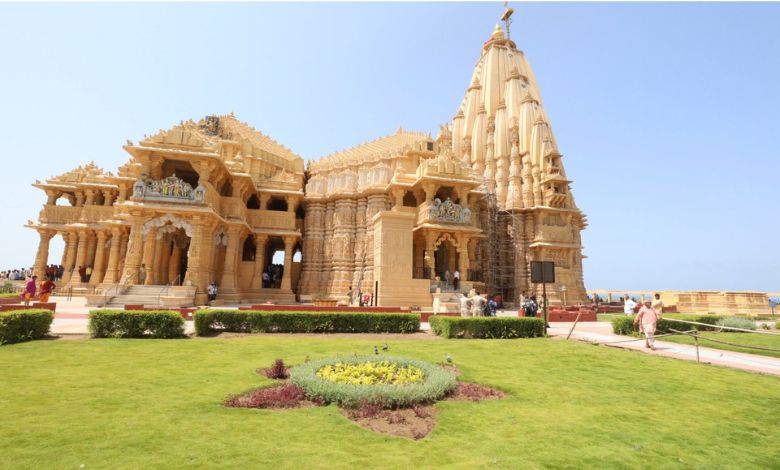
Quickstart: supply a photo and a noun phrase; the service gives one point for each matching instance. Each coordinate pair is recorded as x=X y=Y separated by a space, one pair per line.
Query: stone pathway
x=601 y=332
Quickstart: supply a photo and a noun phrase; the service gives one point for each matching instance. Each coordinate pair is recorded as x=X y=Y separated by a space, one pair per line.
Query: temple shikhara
x=389 y=221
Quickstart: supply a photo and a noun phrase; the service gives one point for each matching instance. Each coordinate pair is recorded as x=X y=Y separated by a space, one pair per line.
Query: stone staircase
x=138 y=295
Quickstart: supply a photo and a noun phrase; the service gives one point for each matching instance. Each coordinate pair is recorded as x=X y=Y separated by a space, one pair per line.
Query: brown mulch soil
x=413 y=423
x=282 y=396
x=475 y=392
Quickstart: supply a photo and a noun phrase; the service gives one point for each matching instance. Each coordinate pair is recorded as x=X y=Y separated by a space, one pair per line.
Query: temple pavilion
x=389 y=220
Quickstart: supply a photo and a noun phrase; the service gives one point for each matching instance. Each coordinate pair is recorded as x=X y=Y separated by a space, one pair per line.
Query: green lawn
x=157 y=404
x=749 y=339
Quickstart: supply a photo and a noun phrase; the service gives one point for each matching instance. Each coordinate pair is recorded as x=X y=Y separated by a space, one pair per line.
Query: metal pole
x=575 y=324
x=696 y=340
x=544 y=299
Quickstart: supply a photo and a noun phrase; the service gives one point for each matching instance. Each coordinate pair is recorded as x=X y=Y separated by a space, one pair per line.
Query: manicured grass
x=608 y=316
x=749 y=339
x=150 y=403
x=6 y=295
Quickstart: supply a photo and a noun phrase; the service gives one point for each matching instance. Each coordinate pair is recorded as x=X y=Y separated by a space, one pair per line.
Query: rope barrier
x=760 y=348
x=709 y=325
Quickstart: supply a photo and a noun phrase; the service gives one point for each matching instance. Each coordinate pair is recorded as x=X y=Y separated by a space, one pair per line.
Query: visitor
x=349 y=296
x=47 y=287
x=647 y=318
x=477 y=306
x=658 y=304
x=465 y=305
x=492 y=306
x=530 y=307
x=446 y=278
x=88 y=273
x=456 y=279
x=29 y=290
x=212 y=291
x=142 y=275
x=628 y=305
x=500 y=300
x=266 y=279
x=83 y=273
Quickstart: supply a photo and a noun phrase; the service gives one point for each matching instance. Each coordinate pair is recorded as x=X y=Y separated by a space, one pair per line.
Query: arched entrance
x=170 y=267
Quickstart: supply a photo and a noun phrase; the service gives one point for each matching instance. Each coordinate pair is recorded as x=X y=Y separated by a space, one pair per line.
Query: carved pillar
x=314 y=232
x=108 y=198
x=90 y=199
x=123 y=242
x=196 y=274
x=91 y=249
x=398 y=198
x=122 y=194
x=79 y=199
x=257 y=279
x=165 y=260
x=174 y=265
x=326 y=279
x=81 y=257
x=343 y=245
x=430 y=248
x=156 y=272
x=42 y=256
x=70 y=258
x=112 y=273
x=289 y=244
x=52 y=197
x=134 y=252
x=463 y=256
x=100 y=257
x=229 y=283
x=264 y=201
x=148 y=256
x=360 y=244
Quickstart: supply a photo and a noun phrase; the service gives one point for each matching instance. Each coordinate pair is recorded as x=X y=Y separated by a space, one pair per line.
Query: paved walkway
x=601 y=332
x=71 y=319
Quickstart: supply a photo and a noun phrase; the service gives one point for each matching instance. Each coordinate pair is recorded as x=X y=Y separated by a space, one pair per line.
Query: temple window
x=253 y=202
x=410 y=200
x=182 y=170
x=444 y=192
x=248 y=253
x=226 y=190
x=300 y=213
x=277 y=204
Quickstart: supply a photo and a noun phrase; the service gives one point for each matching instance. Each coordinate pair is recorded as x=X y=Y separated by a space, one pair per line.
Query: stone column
x=174 y=264
x=122 y=194
x=123 y=242
x=100 y=257
x=257 y=279
x=81 y=257
x=91 y=250
x=42 y=256
x=112 y=272
x=314 y=233
x=148 y=256
x=165 y=261
x=90 y=197
x=65 y=237
x=430 y=248
x=70 y=258
x=108 y=198
x=398 y=198
x=134 y=252
x=196 y=274
x=156 y=273
x=289 y=244
x=229 y=282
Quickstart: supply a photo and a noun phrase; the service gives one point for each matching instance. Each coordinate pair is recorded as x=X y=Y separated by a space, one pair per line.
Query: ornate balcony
x=170 y=189
x=447 y=212
x=264 y=219
x=61 y=215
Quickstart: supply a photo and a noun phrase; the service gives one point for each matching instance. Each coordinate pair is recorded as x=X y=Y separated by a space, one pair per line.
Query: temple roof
x=387 y=146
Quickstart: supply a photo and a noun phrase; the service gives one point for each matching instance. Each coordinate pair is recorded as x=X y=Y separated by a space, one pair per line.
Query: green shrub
x=249 y=321
x=135 y=324
x=437 y=383
x=735 y=322
x=624 y=325
x=23 y=325
x=8 y=295
x=487 y=327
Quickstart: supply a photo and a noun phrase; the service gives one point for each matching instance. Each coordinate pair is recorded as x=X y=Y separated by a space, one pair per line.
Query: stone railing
x=97 y=213
x=271 y=219
x=60 y=214
x=448 y=212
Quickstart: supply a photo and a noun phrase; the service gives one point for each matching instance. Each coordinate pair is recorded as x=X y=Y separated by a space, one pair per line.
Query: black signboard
x=542 y=271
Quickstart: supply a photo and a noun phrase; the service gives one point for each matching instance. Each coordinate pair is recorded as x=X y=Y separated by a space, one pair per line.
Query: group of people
x=272 y=276
x=16 y=274
x=452 y=279
x=647 y=317
x=31 y=290
x=477 y=306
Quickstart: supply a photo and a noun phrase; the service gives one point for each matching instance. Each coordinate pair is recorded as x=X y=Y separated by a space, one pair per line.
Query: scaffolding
x=503 y=260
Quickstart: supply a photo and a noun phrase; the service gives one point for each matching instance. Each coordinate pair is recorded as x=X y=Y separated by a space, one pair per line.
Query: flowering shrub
x=282 y=396
x=370 y=373
x=435 y=382
x=277 y=370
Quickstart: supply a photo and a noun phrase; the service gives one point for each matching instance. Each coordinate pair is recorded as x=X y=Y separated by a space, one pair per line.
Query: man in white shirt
x=456 y=279
x=465 y=306
x=628 y=306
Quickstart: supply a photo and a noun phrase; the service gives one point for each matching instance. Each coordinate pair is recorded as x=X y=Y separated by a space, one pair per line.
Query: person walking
x=47 y=287
x=477 y=306
x=465 y=305
x=628 y=305
x=212 y=291
x=142 y=275
x=456 y=279
x=492 y=306
x=647 y=318
x=530 y=307
x=29 y=290
x=658 y=304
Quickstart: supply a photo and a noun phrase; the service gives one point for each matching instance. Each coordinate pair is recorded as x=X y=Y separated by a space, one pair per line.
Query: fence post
x=696 y=340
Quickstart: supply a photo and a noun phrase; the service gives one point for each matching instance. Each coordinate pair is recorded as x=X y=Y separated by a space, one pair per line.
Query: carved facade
x=214 y=200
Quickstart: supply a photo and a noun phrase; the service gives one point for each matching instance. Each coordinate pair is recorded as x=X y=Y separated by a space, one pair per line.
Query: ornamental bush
x=250 y=321
x=487 y=327
x=23 y=325
x=436 y=383
x=624 y=325
x=135 y=324
x=736 y=322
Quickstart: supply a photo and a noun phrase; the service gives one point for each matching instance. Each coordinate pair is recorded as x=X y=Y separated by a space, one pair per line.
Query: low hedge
x=250 y=321
x=625 y=325
x=135 y=324
x=436 y=384
x=23 y=325
x=487 y=327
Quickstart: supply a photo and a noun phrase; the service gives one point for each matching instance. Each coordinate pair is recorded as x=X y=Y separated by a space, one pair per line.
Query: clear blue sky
x=667 y=114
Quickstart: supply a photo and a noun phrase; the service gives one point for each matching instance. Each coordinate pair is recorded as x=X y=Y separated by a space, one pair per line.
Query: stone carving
x=448 y=211
x=165 y=219
x=170 y=189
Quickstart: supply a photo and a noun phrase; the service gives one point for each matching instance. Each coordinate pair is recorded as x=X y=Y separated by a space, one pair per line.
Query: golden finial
x=498 y=33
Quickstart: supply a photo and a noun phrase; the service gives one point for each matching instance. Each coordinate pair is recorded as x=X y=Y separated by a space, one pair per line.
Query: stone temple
x=218 y=201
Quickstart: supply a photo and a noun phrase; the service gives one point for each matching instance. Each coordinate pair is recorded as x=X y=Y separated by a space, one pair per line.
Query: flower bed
x=434 y=384
x=371 y=373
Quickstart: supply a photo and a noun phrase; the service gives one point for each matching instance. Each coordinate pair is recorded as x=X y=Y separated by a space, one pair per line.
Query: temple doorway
x=170 y=267
x=445 y=260
x=274 y=253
